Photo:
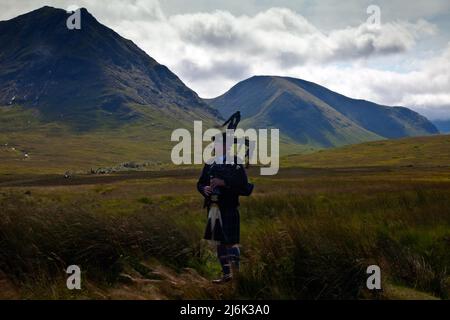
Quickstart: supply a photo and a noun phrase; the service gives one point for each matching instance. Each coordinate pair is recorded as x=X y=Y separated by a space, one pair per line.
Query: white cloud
x=212 y=51
x=279 y=32
x=426 y=90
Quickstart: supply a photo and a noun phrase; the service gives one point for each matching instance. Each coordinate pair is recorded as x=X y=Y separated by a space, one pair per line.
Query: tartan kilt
x=229 y=232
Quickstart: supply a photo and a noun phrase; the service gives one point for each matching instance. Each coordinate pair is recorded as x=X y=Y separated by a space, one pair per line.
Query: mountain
x=442 y=125
x=310 y=114
x=81 y=99
x=86 y=77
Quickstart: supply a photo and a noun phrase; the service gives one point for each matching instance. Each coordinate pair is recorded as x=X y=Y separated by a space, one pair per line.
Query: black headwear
x=232 y=123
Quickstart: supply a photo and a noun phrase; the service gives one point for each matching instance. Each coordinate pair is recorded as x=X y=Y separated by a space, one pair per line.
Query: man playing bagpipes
x=221 y=183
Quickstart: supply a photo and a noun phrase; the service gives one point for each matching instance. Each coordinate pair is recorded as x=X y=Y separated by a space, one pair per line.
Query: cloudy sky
x=213 y=44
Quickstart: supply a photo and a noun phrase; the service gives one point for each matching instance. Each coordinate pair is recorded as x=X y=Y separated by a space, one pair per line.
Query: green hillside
x=310 y=114
x=416 y=151
x=31 y=145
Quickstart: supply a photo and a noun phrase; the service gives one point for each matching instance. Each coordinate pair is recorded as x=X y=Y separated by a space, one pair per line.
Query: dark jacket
x=236 y=183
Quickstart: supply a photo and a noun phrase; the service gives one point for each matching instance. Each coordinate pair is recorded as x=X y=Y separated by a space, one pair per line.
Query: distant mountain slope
x=389 y=122
x=311 y=114
x=85 y=77
x=442 y=125
x=411 y=151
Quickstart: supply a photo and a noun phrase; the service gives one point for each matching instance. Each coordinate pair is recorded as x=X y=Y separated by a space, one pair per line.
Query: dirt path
x=86 y=179
x=91 y=179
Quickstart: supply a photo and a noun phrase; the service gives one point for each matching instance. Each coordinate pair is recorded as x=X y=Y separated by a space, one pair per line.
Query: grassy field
x=308 y=233
x=29 y=145
x=56 y=148
x=417 y=151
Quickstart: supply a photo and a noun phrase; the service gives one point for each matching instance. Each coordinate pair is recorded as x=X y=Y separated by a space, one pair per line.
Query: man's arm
x=203 y=182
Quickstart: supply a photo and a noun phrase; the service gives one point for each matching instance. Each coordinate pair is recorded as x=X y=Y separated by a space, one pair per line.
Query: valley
x=86 y=178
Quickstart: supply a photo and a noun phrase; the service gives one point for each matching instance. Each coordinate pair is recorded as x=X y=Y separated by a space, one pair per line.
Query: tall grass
x=318 y=247
x=40 y=238
x=294 y=245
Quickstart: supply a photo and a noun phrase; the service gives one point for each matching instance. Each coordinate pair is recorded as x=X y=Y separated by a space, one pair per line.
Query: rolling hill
x=408 y=152
x=310 y=114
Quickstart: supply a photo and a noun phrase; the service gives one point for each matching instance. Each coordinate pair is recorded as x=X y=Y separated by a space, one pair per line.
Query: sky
x=399 y=57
